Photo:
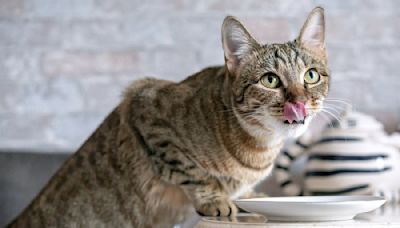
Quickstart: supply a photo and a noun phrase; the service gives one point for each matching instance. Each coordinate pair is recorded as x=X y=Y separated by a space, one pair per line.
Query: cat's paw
x=218 y=207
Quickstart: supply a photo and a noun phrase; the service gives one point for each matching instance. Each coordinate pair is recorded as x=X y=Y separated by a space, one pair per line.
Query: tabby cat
x=169 y=148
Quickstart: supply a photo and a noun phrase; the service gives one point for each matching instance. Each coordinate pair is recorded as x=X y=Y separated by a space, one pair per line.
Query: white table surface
x=386 y=216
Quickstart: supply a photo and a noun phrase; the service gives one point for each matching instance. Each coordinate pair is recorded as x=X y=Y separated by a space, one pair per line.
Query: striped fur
x=170 y=148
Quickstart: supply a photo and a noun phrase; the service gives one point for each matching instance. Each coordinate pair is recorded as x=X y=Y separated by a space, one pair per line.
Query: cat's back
x=151 y=96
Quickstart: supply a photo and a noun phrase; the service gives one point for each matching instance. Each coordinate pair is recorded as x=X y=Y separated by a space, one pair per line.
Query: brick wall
x=64 y=63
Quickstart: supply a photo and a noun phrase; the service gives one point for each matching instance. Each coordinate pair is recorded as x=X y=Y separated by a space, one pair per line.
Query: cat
x=171 y=148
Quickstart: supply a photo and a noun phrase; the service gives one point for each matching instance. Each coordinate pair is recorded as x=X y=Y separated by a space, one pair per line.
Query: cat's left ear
x=312 y=34
x=237 y=43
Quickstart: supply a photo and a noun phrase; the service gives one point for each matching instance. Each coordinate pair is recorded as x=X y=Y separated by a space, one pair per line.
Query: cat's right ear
x=237 y=43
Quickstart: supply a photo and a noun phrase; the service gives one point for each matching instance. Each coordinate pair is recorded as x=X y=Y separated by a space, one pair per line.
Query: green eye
x=311 y=76
x=271 y=81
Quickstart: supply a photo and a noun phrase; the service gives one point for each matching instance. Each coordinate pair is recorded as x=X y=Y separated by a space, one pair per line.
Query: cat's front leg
x=209 y=198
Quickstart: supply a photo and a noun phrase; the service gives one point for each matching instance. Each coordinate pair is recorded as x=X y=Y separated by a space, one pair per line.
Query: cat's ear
x=237 y=43
x=312 y=34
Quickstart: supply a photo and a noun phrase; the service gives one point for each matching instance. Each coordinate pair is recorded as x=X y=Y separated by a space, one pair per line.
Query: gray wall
x=22 y=176
x=64 y=63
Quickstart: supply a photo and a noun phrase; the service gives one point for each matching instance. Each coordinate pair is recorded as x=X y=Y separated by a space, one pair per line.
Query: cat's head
x=277 y=87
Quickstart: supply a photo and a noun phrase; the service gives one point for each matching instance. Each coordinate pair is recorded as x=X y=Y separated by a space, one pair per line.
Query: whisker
x=335 y=107
x=339 y=99
x=322 y=114
x=327 y=112
x=337 y=112
x=348 y=104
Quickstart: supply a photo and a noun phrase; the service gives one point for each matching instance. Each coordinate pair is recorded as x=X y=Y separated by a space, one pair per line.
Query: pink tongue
x=294 y=111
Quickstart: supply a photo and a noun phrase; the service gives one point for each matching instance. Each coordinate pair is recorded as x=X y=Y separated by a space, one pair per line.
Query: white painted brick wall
x=63 y=64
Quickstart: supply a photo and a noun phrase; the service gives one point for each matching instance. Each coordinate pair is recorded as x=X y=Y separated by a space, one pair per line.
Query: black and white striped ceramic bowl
x=348 y=158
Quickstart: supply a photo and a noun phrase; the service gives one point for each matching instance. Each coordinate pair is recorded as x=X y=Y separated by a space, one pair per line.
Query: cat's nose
x=295 y=93
x=294 y=112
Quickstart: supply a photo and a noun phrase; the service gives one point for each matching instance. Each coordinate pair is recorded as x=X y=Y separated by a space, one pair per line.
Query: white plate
x=311 y=208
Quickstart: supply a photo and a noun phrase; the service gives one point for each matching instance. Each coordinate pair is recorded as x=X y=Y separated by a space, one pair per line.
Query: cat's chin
x=276 y=127
x=298 y=130
x=294 y=129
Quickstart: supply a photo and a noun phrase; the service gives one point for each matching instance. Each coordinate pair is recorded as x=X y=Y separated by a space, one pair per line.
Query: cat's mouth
x=294 y=113
x=294 y=122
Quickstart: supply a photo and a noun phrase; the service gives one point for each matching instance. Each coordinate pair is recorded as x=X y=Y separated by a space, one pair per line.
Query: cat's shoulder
x=145 y=88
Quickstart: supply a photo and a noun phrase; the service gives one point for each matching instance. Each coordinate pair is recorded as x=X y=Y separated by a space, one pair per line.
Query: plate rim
x=357 y=206
x=357 y=198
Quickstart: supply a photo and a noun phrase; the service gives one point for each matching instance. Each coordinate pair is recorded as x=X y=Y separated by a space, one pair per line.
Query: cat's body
x=171 y=147
x=127 y=166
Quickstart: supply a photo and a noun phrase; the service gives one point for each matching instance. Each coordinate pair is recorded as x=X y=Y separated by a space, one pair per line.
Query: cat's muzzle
x=294 y=113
